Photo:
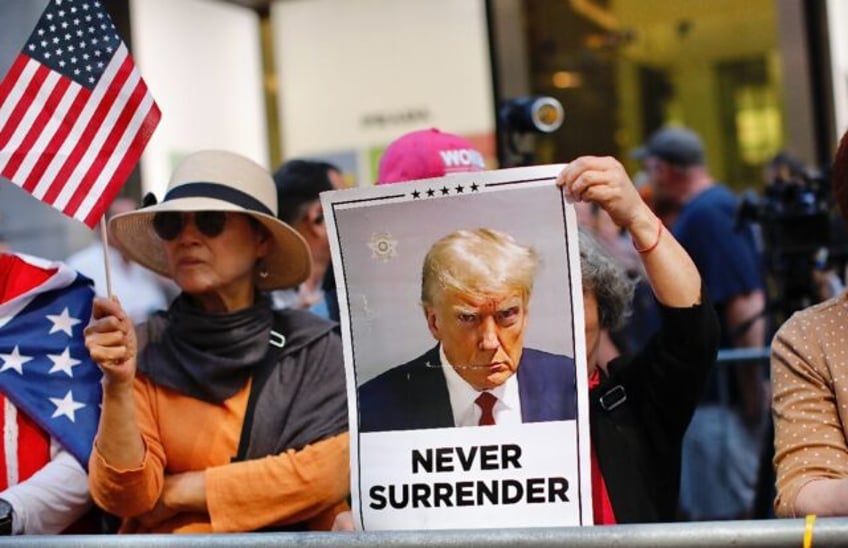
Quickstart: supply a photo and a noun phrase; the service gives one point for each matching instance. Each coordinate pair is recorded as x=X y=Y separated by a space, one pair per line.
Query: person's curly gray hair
x=608 y=280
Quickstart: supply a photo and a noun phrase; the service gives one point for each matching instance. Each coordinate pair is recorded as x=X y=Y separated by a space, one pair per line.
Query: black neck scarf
x=206 y=356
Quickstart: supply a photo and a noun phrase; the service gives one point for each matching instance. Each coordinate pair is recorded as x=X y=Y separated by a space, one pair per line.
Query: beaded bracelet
x=653 y=246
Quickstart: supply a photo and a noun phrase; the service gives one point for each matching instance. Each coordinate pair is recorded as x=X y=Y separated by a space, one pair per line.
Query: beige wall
x=202 y=62
x=354 y=75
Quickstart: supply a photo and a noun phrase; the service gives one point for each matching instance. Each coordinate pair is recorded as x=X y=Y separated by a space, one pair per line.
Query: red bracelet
x=655 y=244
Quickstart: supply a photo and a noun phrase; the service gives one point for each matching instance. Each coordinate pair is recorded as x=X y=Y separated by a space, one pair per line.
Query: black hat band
x=218 y=192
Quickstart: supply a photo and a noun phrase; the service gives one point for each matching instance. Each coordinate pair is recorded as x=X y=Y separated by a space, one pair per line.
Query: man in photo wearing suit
x=475 y=290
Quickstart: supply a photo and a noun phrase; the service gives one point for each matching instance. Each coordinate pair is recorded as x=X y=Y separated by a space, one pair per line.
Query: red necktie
x=486 y=401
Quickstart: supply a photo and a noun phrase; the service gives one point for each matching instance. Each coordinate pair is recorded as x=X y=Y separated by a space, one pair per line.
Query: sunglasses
x=169 y=224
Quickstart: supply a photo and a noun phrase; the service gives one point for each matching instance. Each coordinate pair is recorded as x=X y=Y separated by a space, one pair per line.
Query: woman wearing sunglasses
x=218 y=414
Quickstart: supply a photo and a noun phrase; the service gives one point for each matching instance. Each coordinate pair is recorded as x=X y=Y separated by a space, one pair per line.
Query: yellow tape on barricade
x=808 y=530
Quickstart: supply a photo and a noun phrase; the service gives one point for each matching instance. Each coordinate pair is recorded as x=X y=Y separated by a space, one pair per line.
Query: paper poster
x=462 y=321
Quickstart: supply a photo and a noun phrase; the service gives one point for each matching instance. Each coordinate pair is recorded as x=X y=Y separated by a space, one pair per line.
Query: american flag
x=75 y=114
x=45 y=369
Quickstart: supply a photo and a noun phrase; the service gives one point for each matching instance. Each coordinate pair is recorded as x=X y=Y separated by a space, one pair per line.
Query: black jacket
x=642 y=407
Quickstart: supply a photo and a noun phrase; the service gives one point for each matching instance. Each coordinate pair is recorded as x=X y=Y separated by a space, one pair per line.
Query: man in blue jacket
x=476 y=285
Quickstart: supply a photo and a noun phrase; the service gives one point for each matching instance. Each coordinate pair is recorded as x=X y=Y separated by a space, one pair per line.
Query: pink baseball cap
x=427 y=153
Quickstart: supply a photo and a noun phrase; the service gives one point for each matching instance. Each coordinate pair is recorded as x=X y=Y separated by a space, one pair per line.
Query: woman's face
x=217 y=270
x=593 y=328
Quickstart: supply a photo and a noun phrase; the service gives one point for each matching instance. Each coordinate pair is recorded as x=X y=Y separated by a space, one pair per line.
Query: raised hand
x=111 y=341
x=604 y=181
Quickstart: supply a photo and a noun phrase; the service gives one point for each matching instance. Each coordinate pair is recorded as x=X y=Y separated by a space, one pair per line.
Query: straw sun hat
x=215 y=180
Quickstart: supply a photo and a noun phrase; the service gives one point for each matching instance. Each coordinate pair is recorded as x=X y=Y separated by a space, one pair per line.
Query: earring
x=262 y=269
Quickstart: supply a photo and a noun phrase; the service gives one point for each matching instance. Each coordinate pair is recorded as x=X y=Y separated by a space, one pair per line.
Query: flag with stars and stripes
x=45 y=369
x=75 y=114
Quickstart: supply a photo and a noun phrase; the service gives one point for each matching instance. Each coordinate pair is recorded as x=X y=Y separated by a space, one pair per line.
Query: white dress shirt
x=507 y=409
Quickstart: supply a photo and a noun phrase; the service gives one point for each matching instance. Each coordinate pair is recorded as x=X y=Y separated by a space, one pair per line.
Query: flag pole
x=105 y=239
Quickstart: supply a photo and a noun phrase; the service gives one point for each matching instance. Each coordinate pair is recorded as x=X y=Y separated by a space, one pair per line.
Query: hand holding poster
x=472 y=284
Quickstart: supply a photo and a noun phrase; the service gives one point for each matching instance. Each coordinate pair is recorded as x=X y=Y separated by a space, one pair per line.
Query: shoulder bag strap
x=260 y=376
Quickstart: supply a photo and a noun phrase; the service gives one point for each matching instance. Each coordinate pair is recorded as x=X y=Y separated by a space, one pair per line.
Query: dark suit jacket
x=415 y=395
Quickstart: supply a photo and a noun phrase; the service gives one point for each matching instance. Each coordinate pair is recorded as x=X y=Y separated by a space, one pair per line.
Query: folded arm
x=281 y=489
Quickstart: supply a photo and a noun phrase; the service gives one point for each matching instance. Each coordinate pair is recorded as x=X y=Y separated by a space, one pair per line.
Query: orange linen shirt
x=184 y=434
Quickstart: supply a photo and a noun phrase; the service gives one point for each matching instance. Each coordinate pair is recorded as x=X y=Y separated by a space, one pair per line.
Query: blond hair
x=479 y=262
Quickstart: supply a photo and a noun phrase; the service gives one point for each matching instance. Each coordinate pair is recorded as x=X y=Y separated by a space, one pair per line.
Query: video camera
x=797 y=223
x=522 y=118
x=794 y=211
x=533 y=114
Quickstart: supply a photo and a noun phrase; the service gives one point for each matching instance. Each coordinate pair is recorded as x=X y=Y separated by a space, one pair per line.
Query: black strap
x=612 y=398
x=608 y=395
x=260 y=376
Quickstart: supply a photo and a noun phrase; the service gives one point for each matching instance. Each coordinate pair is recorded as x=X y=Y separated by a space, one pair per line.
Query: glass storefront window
x=622 y=68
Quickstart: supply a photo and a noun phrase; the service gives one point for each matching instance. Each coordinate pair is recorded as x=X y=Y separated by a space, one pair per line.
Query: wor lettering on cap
x=461 y=158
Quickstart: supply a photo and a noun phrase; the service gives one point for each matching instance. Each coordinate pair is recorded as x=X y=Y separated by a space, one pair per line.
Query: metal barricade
x=775 y=533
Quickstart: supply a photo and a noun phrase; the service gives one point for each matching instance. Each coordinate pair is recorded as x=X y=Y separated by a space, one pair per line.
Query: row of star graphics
x=444 y=191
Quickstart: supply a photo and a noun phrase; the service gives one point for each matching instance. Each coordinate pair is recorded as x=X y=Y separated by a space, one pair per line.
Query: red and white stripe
x=26 y=447
x=10 y=442
x=71 y=147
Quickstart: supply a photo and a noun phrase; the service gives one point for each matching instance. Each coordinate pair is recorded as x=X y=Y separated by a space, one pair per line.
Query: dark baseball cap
x=675 y=145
